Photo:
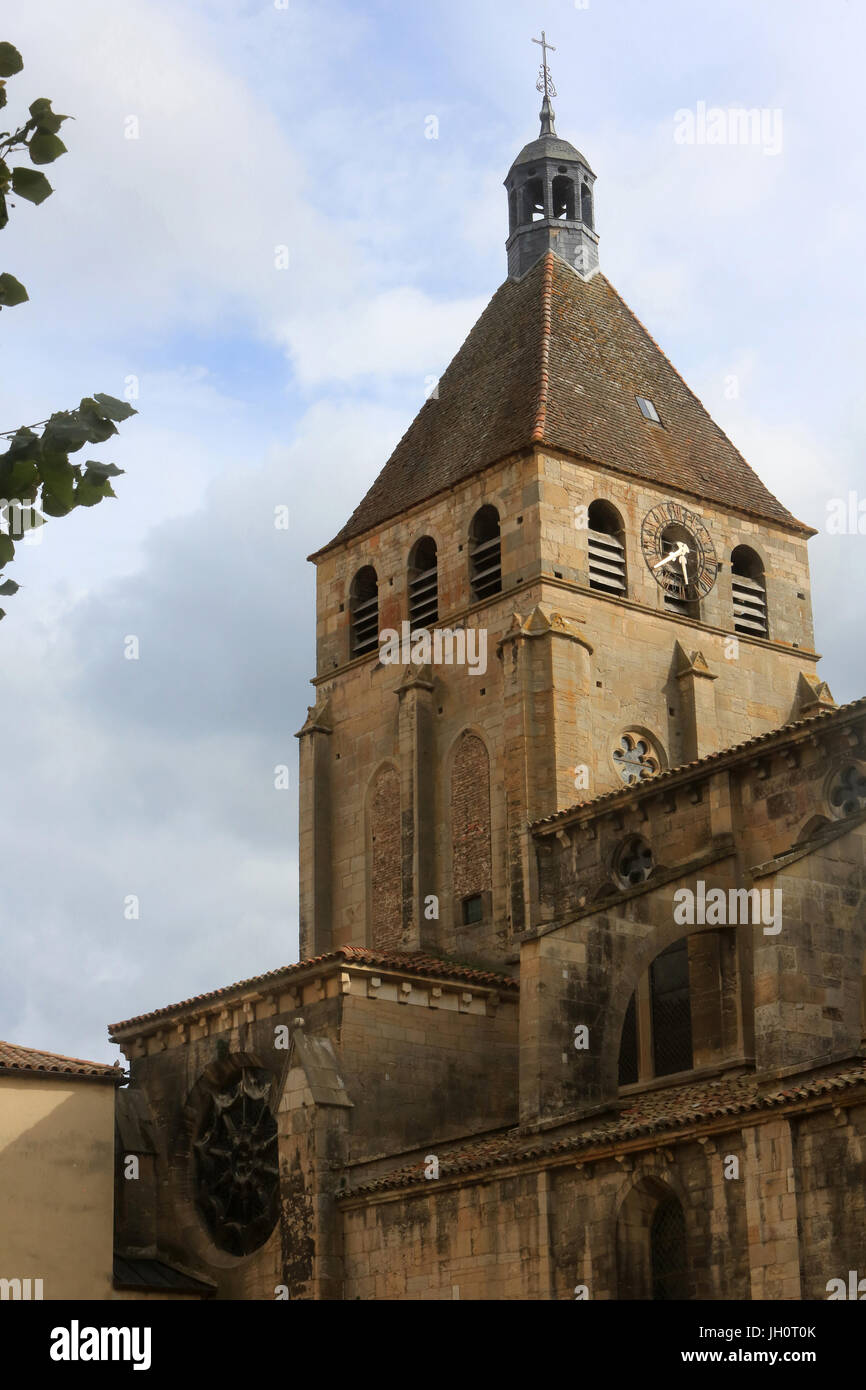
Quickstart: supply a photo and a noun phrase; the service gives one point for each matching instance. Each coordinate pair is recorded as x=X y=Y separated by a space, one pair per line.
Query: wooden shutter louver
x=485 y=555
x=750 y=606
x=606 y=563
x=424 y=585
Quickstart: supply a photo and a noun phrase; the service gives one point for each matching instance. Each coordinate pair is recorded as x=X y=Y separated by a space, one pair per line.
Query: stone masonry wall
x=546 y=1233
x=549 y=719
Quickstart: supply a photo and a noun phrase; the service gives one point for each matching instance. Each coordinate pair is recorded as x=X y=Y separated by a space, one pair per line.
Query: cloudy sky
x=296 y=132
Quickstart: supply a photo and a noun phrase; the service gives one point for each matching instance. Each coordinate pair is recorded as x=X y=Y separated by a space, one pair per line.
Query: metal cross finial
x=545 y=81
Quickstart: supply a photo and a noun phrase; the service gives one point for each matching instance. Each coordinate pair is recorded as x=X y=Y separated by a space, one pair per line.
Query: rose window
x=237 y=1171
x=848 y=791
x=634 y=862
x=635 y=759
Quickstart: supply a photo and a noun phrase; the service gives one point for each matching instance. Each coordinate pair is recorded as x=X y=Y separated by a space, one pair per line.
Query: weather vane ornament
x=545 y=81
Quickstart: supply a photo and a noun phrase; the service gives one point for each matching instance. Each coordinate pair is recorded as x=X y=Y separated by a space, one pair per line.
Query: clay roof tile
x=558 y=360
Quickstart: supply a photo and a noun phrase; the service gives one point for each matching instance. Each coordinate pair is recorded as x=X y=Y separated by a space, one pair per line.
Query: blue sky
x=259 y=127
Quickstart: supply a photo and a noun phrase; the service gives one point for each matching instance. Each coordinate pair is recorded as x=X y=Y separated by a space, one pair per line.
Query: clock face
x=679 y=551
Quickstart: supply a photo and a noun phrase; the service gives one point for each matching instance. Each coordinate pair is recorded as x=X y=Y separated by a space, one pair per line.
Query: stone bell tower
x=565 y=503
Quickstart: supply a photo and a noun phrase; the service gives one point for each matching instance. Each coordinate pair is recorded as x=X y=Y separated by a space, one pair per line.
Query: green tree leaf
x=44 y=117
x=18 y=477
x=88 y=493
x=11 y=291
x=52 y=506
x=45 y=147
x=30 y=184
x=100 y=471
x=36 y=468
x=94 y=420
x=10 y=60
x=59 y=480
x=113 y=408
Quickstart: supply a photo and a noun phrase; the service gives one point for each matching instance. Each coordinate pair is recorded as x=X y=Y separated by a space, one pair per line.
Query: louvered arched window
x=423 y=583
x=606 y=547
x=749 y=593
x=364 y=611
x=485 y=554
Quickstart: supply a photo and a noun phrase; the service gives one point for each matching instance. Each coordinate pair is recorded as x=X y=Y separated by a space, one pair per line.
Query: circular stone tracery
x=847 y=794
x=635 y=759
x=633 y=862
x=237 y=1172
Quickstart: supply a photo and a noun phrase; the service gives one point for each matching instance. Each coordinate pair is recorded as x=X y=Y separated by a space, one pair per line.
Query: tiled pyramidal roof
x=558 y=360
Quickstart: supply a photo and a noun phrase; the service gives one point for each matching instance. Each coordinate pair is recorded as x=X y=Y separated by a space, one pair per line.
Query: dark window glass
x=628 y=1046
x=671 y=1010
x=473 y=909
x=668 y=1251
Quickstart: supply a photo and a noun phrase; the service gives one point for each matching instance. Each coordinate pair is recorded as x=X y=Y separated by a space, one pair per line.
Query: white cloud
x=156 y=257
x=401 y=332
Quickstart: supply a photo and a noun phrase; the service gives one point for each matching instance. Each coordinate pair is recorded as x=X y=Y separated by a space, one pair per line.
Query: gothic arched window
x=656 y=1038
x=628 y=1053
x=423 y=583
x=651 y=1244
x=485 y=554
x=606 y=549
x=749 y=593
x=671 y=1010
x=364 y=611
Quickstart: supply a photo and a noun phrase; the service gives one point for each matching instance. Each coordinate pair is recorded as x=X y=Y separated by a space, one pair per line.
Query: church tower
x=564 y=580
x=583 y=898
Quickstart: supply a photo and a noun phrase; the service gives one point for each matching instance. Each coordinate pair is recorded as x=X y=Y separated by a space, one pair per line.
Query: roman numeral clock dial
x=679 y=551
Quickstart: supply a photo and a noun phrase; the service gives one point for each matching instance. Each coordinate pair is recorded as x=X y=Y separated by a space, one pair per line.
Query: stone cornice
x=328 y=978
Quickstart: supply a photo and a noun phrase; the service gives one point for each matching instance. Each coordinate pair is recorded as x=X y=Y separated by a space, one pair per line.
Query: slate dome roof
x=549 y=147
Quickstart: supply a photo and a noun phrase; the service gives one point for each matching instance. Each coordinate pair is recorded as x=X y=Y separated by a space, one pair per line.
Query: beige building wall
x=57 y=1185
